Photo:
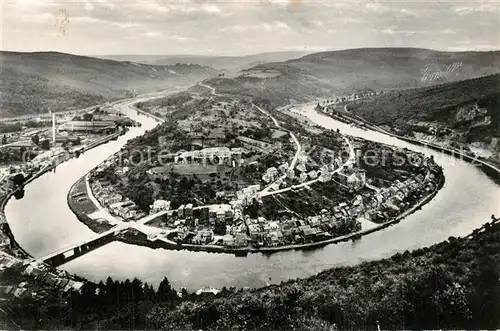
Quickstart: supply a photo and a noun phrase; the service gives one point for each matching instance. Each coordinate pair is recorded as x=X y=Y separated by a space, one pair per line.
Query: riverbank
x=56 y=161
x=467 y=186
x=101 y=141
x=157 y=243
x=82 y=189
x=81 y=205
x=135 y=237
x=14 y=246
x=145 y=113
x=492 y=171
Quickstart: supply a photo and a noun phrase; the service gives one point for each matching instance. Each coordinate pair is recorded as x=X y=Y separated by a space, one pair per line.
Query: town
x=31 y=147
x=222 y=184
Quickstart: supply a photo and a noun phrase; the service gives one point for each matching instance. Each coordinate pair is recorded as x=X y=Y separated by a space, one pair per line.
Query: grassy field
x=81 y=202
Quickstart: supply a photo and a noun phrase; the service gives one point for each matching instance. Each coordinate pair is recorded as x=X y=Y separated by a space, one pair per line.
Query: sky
x=232 y=27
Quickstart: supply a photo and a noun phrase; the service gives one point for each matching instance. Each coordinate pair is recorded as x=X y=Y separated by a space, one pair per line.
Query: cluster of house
x=257 y=145
x=115 y=202
x=379 y=207
x=212 y=155
x=52 y=277
x=377 y=204
x=352 y=178
x=390 y=201
x=290 y=231
x=158 y=206
x=6 y=184
x=4 y=239
x=96 y=121
x=40 y=274
x=429 y=127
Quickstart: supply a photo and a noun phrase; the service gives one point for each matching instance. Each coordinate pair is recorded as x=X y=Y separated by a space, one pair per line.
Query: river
x=42 y=222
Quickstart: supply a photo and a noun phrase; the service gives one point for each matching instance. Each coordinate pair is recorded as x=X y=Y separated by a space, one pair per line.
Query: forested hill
x=451 y=285
x=37 y=82
x=339 y=72
x=471 y=106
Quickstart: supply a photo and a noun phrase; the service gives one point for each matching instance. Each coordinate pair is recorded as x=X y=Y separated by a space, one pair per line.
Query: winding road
x=265 y=191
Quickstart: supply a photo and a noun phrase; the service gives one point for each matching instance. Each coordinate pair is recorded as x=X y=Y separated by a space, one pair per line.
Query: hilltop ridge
x=36 y=82
x=220 y=62
x=459 y=114
x=323 y=74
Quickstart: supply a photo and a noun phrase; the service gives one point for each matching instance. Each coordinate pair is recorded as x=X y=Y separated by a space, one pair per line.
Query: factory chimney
x=53 y=129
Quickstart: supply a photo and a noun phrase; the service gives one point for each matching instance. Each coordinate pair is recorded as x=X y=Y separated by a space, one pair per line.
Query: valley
x=190 y=135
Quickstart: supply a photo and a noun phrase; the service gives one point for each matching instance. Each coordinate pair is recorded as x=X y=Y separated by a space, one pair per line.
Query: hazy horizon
x=238 y=28
x=242 y=55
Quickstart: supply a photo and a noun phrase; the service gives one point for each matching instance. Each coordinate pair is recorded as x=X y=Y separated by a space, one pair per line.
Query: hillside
x=231 y=63
x=327 y=73
x=36 y=82
x=465 y=112
x=441 y=103
x=450 y=285
x=453 y=284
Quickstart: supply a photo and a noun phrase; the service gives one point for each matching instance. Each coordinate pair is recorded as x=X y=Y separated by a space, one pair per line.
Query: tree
x=253 y=209
x=165 y=291
x=35 y=139
x=4 y=139
x=88 y=117
x=18 y=179
x=45 y=144
x=22 y=151
x=19 y=194
x=137 y=290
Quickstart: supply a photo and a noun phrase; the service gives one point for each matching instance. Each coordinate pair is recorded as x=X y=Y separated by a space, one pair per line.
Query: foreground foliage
x=454 y=284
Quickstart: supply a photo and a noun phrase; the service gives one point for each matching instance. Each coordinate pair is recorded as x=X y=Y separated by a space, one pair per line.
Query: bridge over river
x=80 y=248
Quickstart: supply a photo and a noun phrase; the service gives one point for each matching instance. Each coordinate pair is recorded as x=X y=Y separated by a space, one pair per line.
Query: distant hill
x=469 y=111
x=440 y=103
x=230 y=63
x=328 y=73
x=36 y=82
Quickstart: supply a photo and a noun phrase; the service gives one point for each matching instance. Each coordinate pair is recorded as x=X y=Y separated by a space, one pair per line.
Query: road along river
x=42 y=222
